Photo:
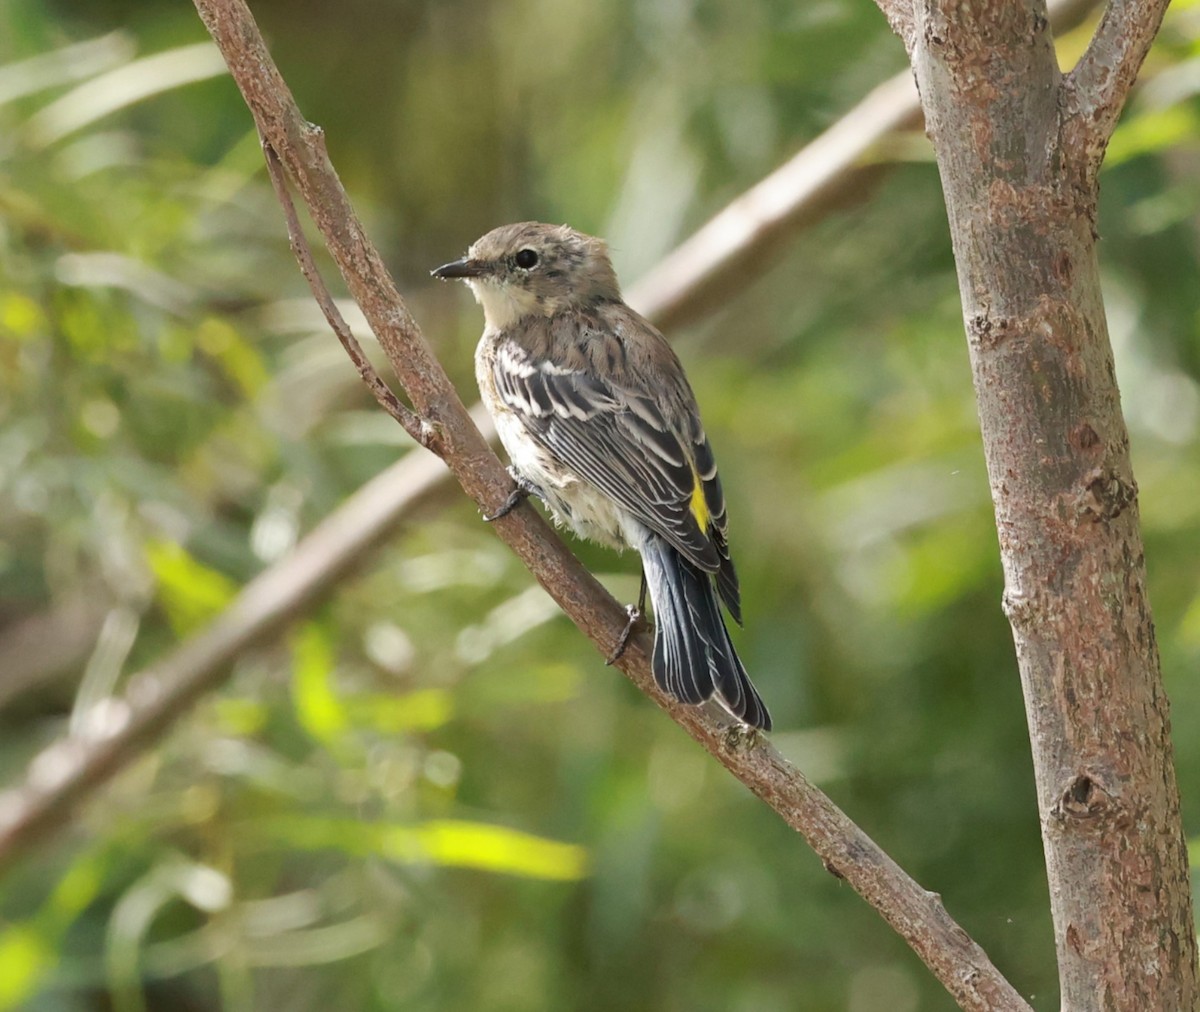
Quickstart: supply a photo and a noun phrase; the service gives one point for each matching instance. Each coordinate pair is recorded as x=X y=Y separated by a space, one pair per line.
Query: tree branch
x=418 y=428
x=1021 y=215
x=918 y=915
x=118 y=731
x=724 y=254
x=1096 y=89
x=800 y=193
x=732 y=248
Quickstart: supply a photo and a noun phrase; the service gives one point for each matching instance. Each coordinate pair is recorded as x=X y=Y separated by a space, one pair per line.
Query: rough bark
x=1018 y=170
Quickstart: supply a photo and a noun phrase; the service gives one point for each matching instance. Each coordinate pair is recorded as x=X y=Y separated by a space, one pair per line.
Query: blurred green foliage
x=432 y=794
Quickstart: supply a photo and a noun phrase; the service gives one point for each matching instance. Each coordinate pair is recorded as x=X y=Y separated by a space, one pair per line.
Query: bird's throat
x=505 y=305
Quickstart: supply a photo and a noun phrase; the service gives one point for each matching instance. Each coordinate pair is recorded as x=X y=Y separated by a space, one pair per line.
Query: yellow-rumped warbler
x=600 y=423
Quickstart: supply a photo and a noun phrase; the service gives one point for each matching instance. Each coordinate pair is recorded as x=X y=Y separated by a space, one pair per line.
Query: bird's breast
x=574 y=502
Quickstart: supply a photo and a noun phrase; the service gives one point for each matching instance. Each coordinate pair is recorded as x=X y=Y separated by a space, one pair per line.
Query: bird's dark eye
x=526 y=259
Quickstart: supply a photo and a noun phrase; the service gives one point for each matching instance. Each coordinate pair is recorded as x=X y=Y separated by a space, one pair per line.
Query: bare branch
x=117 y=731
x=730 y=250
x=416 y=427
x=725 y=254
x=915 y=913
x=1099 y=84
x=373 y=512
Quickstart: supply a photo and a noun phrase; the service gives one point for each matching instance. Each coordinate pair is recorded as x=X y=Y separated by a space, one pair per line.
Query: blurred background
x=431 y=794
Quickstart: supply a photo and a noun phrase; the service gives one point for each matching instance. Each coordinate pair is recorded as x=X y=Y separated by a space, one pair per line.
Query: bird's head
x=531 y=269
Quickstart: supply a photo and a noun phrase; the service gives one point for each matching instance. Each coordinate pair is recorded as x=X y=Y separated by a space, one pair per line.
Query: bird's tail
x=694 y=658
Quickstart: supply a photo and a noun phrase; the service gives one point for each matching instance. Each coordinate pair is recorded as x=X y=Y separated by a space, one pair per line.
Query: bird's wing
x=718 y=526
x=616 y=437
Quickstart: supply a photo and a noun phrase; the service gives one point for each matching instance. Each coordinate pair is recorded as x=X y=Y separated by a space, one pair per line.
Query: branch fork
x=958 y=962
x=822 y=174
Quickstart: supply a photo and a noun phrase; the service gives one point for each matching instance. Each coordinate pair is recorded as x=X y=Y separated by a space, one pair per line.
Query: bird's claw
x=522 y=490
x=635 y=616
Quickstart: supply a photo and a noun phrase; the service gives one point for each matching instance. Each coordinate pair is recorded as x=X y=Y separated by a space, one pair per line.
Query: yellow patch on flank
x=699 y=502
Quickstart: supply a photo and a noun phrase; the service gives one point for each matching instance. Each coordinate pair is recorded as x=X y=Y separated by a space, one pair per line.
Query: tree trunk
x=1021 y=198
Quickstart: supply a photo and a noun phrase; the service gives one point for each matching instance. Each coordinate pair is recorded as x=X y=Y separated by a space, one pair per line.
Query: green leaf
x=24 y=960
x=449 y=842
x=318 y=707
x=190 y=592
x=489 y=848
x=1151 y=132
x=422 y=710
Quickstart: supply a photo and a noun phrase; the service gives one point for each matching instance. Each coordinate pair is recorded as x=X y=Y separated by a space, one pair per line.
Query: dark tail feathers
x=693 y=655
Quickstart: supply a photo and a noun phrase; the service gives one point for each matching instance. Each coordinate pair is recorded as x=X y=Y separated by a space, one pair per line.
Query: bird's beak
x=464 y=268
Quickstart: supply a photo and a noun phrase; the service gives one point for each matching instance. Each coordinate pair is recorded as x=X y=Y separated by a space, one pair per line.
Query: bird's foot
x=635 y=616
x=523 y=490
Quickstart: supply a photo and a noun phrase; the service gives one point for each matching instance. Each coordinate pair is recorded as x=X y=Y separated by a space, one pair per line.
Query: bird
x=600 y=423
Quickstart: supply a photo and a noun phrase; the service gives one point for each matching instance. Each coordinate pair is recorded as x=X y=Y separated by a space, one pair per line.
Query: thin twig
x=374 y=511
x=416 y=427
x=675 y=292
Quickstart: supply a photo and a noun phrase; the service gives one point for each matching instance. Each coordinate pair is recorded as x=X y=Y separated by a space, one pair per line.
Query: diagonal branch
x=918 y=915
x=421 y=431
x=117 y=731
x=736 y=242
x=725 y=254
x=1099 y=84
x=732 y=248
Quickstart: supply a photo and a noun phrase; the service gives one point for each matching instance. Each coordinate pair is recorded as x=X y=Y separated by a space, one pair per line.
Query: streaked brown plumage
x=593 y=407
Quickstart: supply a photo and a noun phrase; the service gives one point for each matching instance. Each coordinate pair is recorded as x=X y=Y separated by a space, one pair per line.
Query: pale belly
x=573 y=503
